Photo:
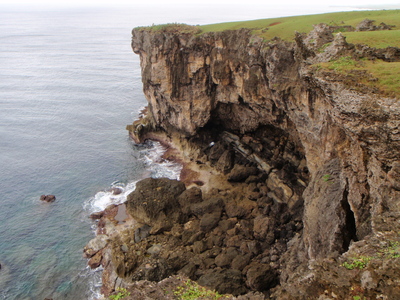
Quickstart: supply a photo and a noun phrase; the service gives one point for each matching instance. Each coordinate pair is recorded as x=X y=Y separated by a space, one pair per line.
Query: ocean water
x=69 y=84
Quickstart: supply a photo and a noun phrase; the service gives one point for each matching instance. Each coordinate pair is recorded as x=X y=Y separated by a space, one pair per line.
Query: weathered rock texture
x=319 y=142
x=319 y=160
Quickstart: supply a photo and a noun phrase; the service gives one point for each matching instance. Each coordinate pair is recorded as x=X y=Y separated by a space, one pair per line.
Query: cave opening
x=350 y=229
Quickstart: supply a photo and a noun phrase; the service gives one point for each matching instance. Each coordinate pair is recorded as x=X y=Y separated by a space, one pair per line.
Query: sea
x=69 y=84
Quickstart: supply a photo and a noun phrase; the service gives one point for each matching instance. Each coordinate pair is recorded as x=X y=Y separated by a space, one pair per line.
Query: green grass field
x=286 y=27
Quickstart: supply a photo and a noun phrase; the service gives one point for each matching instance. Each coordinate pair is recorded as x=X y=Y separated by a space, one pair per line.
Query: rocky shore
x=291 y=175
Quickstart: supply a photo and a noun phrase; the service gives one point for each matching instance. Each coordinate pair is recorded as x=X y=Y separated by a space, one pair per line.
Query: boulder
x=95 y=245
x=261 y=277
x=240 y=173
x=95 y=260
x=225 y=281
x=97 y=215
x=155 y=203
x=116 y=190
x=188 y=197
x=206 y=207
x=48 y=198
x=209 y=221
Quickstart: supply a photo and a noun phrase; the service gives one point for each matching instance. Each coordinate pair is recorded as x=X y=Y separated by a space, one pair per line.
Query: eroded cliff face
x=329 y=152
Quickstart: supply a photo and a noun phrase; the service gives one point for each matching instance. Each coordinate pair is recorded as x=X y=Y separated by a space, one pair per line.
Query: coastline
x=286 y=187
x=197 y=176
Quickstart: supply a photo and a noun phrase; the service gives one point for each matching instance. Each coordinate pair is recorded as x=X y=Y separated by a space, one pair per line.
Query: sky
x=351 y=3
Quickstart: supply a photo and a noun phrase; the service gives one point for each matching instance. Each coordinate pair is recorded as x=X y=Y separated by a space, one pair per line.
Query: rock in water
x=48 y=198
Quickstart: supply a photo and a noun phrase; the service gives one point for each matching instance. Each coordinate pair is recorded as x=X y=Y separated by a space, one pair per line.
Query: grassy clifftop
x=381 y=76
x=287 y=26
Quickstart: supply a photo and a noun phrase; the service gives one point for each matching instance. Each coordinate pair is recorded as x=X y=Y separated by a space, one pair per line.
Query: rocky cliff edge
x=315 y=215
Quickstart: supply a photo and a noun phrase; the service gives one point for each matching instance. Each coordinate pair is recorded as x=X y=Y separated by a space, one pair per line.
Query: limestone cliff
x=331 y=151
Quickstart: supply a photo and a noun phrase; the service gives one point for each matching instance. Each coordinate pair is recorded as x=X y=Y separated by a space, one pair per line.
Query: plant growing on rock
x=122 y=293
x=357 y=263
x=192 y=291
x=392 y=250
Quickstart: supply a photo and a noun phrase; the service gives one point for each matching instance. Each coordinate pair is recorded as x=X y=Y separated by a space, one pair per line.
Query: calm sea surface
x=69 y=83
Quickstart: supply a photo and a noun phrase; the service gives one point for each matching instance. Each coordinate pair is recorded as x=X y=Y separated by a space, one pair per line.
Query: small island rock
x=48 y=198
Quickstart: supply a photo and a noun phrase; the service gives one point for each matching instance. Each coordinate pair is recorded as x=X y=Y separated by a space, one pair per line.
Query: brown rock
x=48 y=198
x=225 y=281
x=240 y=173
x=188 y=197
x=263 y=229
x=155 y=203
x=209 y=221
x=95 y=260
x=207 y=207
x=116 y=190
x=241 y=261
x=97 y=215
x=261 y=277
x=225 y=258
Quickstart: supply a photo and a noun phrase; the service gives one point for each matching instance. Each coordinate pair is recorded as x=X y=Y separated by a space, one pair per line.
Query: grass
x=171 y=27
x=122 y=293
x=357 y=263
x=286 y=27
x=378 y=74
x=192 y=291
x=376 y=39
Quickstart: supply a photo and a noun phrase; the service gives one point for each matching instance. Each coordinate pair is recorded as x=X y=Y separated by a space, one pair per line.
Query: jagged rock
x=394 y=176
x=95 y=260
x=261 y=277
x=155 y=203
x=319 y=36
x=225 y=258
x=208 y=206
x=330 y=151
x=368 y=25
x=225 y=162
x=263 y=229
x=142 y=233
x=95 y=245
x=241 y=261
x=225 y=281
x=209 y=221
x=240 y=173
x=188 y=197
x=48 y=198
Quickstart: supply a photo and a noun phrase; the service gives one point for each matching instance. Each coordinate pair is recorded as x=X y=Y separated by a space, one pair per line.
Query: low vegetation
x=378 y=75
x=286 y=27
x=121 y=293
x=171 y=27
x=192 y=291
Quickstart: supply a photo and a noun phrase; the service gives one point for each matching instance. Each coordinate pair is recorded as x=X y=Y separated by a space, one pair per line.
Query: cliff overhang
x=312 y=159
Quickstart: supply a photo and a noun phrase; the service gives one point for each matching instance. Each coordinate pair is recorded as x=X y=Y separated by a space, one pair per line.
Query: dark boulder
x=48 y=198
x=155 y=203
x=240 y=173
x=261 y=277
x=225 y=281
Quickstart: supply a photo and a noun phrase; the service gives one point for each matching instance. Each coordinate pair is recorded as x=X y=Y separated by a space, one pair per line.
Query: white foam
x=160 y=167
x=103 y=199
x=157 y=167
